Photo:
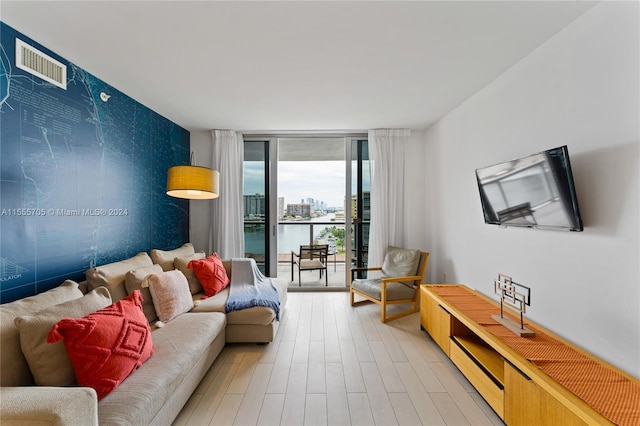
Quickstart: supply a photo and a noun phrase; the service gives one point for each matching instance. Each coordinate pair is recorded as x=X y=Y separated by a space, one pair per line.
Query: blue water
x=290 y=237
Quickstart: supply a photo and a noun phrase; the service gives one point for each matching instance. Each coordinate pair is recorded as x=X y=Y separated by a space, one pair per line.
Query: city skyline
x=324 y=181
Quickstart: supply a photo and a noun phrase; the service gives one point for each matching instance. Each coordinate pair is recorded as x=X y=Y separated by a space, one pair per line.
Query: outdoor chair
x=402 y=273
x=310 y=258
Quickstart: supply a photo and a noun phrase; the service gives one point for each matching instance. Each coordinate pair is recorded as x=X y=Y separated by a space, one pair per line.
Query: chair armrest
x=373 y=268
x=400 y=279
x=48 y=405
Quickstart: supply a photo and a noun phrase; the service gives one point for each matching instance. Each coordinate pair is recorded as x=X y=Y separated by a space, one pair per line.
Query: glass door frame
x=271 y=168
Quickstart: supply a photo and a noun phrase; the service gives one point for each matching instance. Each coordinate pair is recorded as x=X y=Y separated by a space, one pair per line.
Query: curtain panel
x=226 y=233
x=387 y=159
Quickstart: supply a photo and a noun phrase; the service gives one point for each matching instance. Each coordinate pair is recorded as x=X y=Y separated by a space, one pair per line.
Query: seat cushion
x=372 y=288
x=178 y=347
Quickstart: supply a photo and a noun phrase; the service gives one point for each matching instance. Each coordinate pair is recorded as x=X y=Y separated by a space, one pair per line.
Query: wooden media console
x=540 y=380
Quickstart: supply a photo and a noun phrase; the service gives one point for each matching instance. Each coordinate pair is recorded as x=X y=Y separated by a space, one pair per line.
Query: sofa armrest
x=27 y=405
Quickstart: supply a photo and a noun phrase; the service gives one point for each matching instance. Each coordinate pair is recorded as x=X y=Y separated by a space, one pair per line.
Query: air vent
x=33 y=61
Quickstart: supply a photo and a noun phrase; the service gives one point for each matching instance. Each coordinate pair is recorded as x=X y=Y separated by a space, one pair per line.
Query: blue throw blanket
x=249 y=288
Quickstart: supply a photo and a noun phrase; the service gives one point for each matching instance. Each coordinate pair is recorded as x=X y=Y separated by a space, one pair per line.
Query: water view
x=293 y=234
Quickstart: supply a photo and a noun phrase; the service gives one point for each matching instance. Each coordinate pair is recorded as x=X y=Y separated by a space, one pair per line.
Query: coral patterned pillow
x=211 y=274
x=105 y=347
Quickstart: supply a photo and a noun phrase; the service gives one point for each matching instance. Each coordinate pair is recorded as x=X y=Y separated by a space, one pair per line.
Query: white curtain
x=226 y=234
x=387 y=159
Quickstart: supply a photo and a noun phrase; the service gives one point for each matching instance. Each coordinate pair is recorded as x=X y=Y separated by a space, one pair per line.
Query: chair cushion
x=401 y=262
x=372 y=288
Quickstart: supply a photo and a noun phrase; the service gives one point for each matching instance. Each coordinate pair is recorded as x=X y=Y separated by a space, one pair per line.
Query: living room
x=577 y=86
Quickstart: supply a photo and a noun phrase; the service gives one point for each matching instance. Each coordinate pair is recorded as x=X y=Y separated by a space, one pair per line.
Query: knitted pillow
x=105 y=347
x=211 y=274
x=170 y=293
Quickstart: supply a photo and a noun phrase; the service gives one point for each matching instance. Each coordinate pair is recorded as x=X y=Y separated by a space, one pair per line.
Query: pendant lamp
x=193 y=182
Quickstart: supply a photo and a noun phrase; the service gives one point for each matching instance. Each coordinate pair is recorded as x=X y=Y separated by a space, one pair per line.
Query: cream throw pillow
x=112 y=275
x=181 y=264
x=170 y=293
x=165 y=258
x=134 y=281
x=49 y=363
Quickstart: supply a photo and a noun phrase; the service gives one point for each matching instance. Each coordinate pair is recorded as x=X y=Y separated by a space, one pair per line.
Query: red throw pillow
x=211 y=274
x=105 y=347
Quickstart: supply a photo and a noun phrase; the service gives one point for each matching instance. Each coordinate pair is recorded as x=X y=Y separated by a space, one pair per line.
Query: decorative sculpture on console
x=518 y=297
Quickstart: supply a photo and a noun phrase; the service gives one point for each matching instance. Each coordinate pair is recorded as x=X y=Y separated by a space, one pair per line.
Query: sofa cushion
x=105 y=347
x=135 y=280
x=164 y=258
x=211 y=274
x=182 y=264
x=179 y=347
x=215 y=303
x=14 y=370
x=112 y=275
x=260 y=315
x=170 y=293
x=49 y=363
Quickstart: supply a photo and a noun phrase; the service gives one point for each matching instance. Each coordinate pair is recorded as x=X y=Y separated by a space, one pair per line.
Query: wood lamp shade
x=193 y=182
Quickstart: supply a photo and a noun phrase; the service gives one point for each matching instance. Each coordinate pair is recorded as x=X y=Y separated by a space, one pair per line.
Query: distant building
x=254 y=205
x=280 y=207
x=366 y=206
x=300 y=209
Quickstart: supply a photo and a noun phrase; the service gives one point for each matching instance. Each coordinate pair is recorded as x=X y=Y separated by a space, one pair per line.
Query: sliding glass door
x=256 y=197
x=301 y=190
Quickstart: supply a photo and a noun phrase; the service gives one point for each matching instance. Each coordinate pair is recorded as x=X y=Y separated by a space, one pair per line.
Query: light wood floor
x=333 y=364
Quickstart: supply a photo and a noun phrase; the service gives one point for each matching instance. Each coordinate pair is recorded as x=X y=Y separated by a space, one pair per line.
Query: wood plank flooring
x=333 y=364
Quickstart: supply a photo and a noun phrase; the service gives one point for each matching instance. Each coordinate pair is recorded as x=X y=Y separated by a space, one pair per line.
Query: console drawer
x=481 y=380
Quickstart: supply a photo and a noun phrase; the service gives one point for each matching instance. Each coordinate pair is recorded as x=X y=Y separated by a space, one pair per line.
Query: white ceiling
x=271 y=66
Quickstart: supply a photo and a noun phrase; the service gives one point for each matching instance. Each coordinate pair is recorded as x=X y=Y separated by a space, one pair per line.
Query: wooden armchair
x=402 y=273
x=311 y=258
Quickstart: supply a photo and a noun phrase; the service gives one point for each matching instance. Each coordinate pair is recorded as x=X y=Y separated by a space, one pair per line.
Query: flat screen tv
x=536 y=191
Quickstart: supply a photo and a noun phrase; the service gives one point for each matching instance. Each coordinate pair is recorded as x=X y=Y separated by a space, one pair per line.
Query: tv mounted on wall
x=536 y=191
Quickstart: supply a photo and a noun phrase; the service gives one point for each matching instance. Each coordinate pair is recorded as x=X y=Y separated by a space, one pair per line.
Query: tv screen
x=536 y=191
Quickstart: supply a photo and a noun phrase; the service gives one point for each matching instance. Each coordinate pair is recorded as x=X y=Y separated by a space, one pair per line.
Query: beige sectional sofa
x=185 y=348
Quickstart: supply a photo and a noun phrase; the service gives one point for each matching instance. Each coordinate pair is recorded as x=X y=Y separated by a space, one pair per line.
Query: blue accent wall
x=82 y=181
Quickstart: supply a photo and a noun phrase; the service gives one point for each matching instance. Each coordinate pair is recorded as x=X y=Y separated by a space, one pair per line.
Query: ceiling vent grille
x=33 y=61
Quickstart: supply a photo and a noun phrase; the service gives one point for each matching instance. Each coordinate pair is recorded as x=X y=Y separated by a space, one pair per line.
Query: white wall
x=580 y=89
x=200 y=210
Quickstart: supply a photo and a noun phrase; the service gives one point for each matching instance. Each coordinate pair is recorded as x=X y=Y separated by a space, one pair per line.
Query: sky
x=297 y=180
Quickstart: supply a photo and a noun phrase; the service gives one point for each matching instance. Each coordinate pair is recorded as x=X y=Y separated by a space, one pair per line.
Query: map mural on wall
x=82 y=176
